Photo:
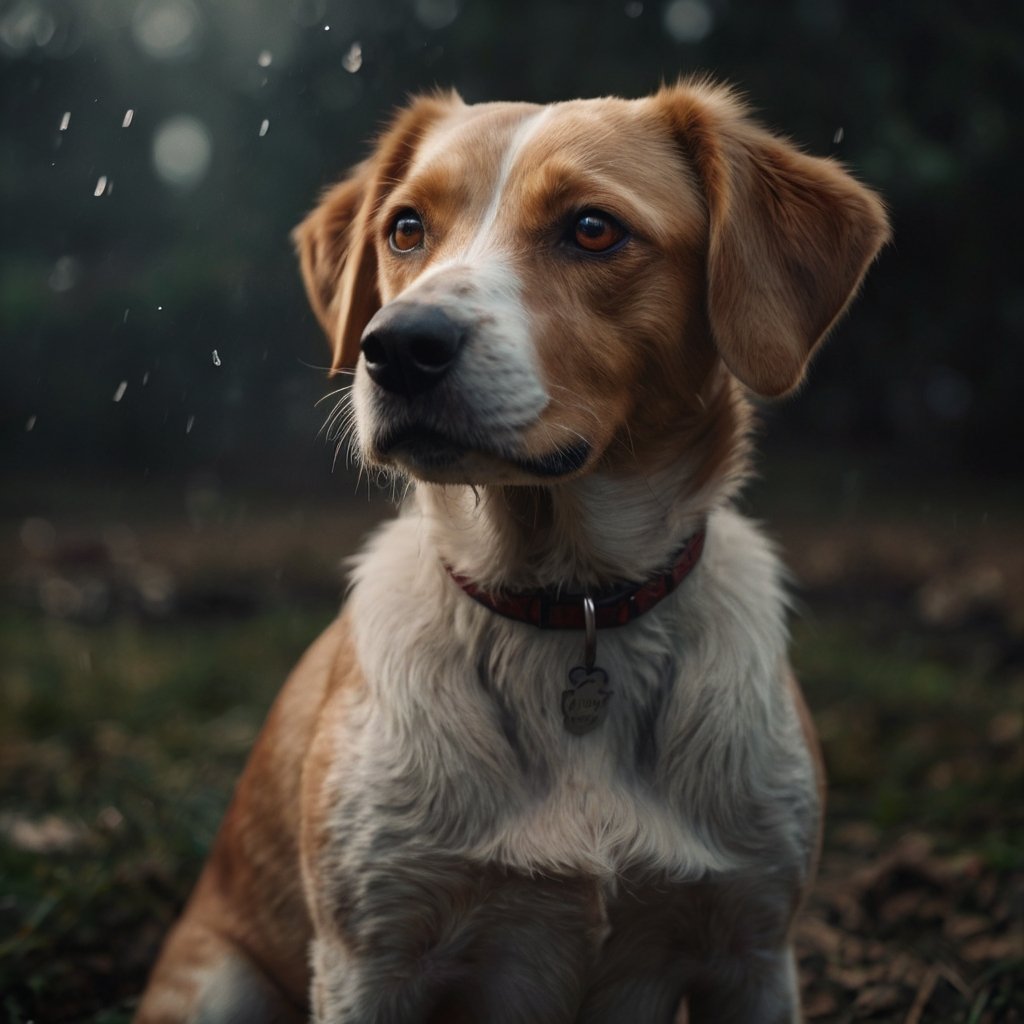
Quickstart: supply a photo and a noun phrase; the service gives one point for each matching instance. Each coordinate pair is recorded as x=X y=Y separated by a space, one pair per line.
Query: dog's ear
x=335 y=242
x=339 y=266
x=790 y=237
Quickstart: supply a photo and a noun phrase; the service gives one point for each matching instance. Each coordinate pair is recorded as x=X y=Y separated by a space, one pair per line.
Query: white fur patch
x=700 y=674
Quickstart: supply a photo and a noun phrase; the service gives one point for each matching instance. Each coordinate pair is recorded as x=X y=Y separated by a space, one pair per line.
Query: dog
x=550 y=764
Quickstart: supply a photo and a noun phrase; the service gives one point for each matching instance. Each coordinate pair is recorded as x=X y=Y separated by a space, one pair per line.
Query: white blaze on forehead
x=522 y=136
x=479 y=245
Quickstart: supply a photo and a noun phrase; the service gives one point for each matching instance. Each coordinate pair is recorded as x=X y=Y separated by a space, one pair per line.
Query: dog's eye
x=407 y=232
x=595 y=231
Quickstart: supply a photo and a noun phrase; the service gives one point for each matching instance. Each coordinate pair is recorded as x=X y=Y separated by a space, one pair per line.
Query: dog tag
x=585 y=703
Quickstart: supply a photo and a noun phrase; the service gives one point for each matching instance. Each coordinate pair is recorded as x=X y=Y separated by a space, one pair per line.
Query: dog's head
x=521 y=287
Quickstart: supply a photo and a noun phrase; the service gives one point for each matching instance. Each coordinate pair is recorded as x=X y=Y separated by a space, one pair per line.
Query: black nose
x=409 y=347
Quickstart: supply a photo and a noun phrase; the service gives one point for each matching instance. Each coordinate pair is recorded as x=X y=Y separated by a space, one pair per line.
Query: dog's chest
x=458 y=749
x=470 y=757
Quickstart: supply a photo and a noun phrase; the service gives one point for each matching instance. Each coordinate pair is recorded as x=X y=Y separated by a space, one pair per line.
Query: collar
x=553 y=608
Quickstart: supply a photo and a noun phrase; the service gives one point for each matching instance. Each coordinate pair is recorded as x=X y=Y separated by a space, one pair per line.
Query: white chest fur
x=461 y=750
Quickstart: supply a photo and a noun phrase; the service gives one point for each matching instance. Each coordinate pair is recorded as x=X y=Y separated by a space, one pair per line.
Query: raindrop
x=124 y=319
x=189 y=424
x=182 y=150
x=353 y=60
x=159 y=307
x=127 y=119
x=634 y=9
x=121 y=389
x=65 y=121
x=838 y=137
x=327 y=28
x=688 y=21
x=145 y=378
x=216 y=358
x=265 y=59
x=101 y=186
x=264 y=125
x=436 y=13
x=30 y=423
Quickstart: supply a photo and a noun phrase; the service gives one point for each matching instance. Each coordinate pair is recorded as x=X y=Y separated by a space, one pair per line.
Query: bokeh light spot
x=436 y=13
x=182 y=149
x=167 y=29
x=688 y=21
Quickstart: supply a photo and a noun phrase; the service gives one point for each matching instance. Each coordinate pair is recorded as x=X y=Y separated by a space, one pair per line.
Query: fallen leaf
x=876 y=998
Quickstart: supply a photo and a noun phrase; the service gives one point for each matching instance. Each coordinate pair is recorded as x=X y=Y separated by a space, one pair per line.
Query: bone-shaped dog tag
x=585 y=704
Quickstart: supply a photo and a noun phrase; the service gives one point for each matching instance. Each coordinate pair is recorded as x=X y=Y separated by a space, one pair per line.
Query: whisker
x=339 y=417
x=328 y=369
x=340 y=424
x=331 y=394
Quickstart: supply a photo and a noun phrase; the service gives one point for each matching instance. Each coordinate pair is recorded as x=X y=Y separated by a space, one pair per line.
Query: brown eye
x=597 y=232
x=407 y=233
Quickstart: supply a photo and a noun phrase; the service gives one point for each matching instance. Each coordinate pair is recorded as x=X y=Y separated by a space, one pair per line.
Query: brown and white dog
x=555 y=314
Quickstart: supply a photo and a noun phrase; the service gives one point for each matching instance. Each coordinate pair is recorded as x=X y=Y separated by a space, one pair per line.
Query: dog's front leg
x=205 y=978
x=471 y=946
x=760 y=988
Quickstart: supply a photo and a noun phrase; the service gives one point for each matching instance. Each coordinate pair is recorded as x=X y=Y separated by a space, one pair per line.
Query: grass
x=912 y=737
x=121 y=744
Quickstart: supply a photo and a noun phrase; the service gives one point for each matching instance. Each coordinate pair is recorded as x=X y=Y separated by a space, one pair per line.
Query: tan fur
x=335 y=242
x=416 y=837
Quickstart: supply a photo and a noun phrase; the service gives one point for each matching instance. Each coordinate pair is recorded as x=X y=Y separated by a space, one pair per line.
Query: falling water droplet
x=327 y=28
x=127 y=119
x=124 y=319
x=838 y=137
x=353 y=60
x=216 y=358
x=189 y=424
x=265 y=59
x=65 y=121
x=264 y=125
x=30 y=423
x=145 y=378
x=101 y=186
x=121 y=389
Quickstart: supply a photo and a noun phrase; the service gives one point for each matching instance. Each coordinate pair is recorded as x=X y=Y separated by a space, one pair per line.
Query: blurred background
x=156 y=154
x=171 y=524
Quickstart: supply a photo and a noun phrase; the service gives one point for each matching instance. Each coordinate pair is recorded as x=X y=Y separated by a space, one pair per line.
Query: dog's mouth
x=434 y=455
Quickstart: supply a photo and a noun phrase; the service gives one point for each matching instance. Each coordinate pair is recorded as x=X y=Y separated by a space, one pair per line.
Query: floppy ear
x=790 y=237
x=335 y=242
x=339 y=266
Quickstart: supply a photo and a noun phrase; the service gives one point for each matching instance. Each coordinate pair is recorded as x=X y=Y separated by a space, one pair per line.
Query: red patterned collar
x=617 y=606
